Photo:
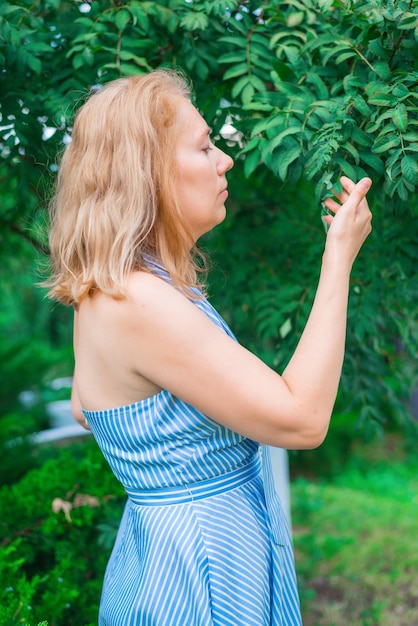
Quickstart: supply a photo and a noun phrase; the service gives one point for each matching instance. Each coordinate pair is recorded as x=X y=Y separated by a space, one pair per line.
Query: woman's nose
x=225 y=162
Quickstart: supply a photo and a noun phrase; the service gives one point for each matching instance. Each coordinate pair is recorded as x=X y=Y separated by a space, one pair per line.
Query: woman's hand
x=351 y=223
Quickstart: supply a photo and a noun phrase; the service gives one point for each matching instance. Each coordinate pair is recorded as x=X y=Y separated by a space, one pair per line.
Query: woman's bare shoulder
x=141 y=288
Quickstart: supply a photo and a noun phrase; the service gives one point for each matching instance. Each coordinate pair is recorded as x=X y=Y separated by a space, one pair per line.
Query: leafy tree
x=314 y=89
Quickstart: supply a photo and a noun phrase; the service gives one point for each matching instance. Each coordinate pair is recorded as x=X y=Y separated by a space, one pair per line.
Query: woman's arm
x=76 y=408
x=159 y=335
x=314 y=371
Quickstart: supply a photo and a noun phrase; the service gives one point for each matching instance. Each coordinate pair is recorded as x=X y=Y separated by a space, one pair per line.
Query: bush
x=57 y=527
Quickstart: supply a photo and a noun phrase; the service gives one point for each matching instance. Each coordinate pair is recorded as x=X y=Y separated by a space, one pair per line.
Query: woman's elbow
x=309 y=433
x=314 y=433
x=312 y=440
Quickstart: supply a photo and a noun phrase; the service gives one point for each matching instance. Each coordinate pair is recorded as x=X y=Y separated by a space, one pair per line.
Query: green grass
x=356 y=542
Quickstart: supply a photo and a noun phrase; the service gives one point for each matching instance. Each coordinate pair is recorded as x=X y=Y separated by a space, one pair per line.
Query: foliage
x=330 y=88
x=268 y=255
x=17 y=454
x=314 y=89
x=324 y=85
x=56 y=530
x=36 y=344
x=59 y=522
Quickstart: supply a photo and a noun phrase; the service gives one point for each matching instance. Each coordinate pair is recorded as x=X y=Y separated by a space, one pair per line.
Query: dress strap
x=198 y=490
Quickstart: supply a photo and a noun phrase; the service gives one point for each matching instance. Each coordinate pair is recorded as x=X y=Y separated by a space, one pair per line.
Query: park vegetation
x=298 y=92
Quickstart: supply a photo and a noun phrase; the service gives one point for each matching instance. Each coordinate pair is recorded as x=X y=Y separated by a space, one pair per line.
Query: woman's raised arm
x=166 y=339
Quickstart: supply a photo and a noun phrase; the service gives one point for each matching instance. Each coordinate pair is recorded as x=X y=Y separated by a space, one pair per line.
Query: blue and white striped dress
x=203 y=540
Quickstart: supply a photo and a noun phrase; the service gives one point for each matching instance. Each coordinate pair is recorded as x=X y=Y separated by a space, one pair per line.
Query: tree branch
x=25 y=234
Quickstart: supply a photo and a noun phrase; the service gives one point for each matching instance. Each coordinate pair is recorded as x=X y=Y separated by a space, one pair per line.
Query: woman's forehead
x=191 y=120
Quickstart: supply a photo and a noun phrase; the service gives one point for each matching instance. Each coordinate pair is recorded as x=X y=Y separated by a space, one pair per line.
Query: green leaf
x=409 y=167
x=400 y=91
x=78 y=61
x=221 y=7
x=125 y=55
x=239 y=86
x=385 y=144
x=368 y=158
x=324 y=113
x=294 y=19
x=240 y=42
x=236 y=70
x=347 y=168
x=337 y=49
x=122 y=19
x=247 y=93
x=129 y=69
x=260 y=50
x=345 y=56
x=250 y=146
x=394 y=157
x=291 y=130
x=383 y=101
x=400 y=117
x=195 y=20
x=360 y=137
x=266 y=124
x=285 y=158
x=376 y=48
x=293 y=54
x=324 y=5
x=361 y=105
x=10 y=8
x=261 y=41
x=321 y=41
x=372 y=128
x=256 y=106
x=321 y=88
x=408 y=21
x=34 y=63
x=233 y=57
x=402 y=191
x=389 y=129
x=257 y=83
x=353 y=151
x=251 y=161
x=383 y=70
x=375 y=88
x=138 y=12
x=39 y=46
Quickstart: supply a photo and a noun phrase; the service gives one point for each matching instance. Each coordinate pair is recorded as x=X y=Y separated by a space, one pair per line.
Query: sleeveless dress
x=203 y=540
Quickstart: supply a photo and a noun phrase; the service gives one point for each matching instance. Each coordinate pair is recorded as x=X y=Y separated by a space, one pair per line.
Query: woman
x=177 y=406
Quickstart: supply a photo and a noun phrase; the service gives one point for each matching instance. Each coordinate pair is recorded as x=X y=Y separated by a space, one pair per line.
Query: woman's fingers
x=349 y=187
x=342 y=196
x=332 y=205
x=358 y=193
x=347 y=183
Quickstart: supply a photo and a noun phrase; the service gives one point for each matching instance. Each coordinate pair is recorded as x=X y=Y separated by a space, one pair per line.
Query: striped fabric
x=203 y=540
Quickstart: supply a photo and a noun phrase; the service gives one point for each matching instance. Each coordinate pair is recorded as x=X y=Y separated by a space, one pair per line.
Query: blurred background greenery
x=298 y=93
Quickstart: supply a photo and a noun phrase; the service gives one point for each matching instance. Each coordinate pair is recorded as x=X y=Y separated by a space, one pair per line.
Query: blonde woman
x=178 y=407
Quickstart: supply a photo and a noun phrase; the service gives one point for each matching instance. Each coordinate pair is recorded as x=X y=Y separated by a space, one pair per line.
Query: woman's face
x=200 y=172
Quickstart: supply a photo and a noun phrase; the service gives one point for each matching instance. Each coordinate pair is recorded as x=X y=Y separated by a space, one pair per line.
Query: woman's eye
x=208 y=148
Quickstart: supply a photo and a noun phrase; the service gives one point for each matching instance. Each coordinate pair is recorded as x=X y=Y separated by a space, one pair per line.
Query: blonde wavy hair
x=115 y=198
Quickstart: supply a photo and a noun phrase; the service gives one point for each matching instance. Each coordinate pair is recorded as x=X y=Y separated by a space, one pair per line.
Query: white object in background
x=280 y=467
x=59 y=413
x=63 y=432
